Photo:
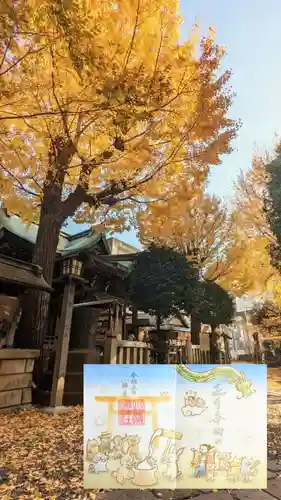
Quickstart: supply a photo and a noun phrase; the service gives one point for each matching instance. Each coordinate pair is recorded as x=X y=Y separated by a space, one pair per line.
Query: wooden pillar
x=113 y=335
x=110 y=346
x=110 y=351
x=93 y=354
x=110 y=320
x=62 y=345
x=118 y=324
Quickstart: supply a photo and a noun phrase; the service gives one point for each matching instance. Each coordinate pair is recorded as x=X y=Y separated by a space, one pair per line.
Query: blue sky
x=112 y=374
x=250 y=32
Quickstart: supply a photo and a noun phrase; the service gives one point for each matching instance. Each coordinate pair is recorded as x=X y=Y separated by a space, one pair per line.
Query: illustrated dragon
x=233 y=376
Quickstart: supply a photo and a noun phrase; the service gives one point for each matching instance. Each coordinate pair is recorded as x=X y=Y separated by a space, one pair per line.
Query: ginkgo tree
x=112 y=111
x=250 y=191
x=272 y=205
x=246 y=266
x=192 y=222
x=195 y=224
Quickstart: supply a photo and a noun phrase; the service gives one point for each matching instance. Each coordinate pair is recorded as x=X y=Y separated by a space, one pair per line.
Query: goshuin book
x=175 y=426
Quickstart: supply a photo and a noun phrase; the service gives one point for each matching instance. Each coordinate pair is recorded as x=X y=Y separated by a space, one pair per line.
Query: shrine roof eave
x=27 y=233
x=98 y=303
x=84 y=242
x=102 y=298
x=22 y=274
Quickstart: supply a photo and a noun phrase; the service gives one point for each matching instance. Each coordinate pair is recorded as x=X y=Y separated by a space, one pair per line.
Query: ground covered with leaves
x=274 y=414
x=42 y=454
x=274 y=431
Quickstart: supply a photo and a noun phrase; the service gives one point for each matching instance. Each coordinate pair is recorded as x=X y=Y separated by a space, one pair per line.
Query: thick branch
x=79 y=196
x=182 y=319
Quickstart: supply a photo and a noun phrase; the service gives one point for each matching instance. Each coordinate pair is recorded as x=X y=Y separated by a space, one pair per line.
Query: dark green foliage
x=162 y=281
x=272 y=207
x=216 y=306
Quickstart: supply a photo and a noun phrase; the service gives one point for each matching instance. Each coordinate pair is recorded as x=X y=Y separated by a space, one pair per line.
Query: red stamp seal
x=131 y=412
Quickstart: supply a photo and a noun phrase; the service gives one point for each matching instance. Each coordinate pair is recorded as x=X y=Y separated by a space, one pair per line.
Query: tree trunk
x=135 y=328
x=159 y=340
x=195 y=329
x=182 y=319
x=226 y=339
x=158 y=324
x=257 y=349
x=195 y=323
x=34 y=322
x=214 y=345
x=54 y=212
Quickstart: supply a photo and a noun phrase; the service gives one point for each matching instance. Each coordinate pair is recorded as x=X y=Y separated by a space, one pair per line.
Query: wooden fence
x=200 y=357
x=136 y=352
x=133 y=352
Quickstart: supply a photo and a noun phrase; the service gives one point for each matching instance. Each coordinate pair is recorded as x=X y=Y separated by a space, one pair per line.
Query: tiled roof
x=83 y=243
x=68 y=244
